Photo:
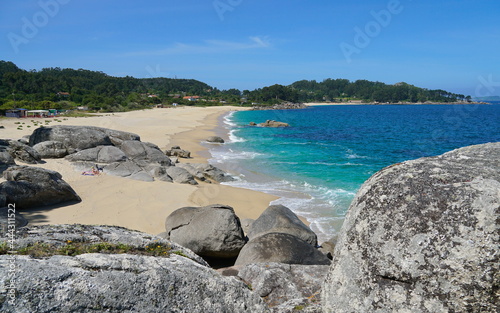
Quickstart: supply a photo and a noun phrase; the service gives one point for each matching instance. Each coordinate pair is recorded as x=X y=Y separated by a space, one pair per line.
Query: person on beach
x=93 y=171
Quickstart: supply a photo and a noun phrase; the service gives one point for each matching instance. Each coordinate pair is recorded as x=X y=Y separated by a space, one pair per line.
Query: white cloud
x=209 y=46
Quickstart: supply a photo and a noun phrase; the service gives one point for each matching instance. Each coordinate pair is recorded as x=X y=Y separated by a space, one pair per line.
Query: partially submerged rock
x=272 y=123
x=422 y=236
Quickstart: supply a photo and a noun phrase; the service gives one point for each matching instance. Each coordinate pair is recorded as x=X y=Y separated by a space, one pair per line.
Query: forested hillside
x=338 y=89
x=56 y=88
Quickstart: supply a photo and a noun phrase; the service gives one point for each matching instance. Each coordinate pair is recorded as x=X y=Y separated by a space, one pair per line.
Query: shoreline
x=138 y=205
x=371 y=103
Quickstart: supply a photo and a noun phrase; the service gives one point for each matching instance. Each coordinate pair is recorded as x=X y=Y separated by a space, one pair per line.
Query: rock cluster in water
x=282 y=106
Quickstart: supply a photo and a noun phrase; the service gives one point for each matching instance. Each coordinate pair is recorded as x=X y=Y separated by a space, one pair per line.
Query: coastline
x=372 y=103
x=137 y=205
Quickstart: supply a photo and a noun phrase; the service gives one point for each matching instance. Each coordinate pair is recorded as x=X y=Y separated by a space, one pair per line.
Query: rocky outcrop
x=280 y=219
x=98 y=282
x=206 y=171
x=100 y=154
x=215 y=139
x=285 y=287
x=23 y=152
x=210 y=231
x=76 y=138
x=280 y=248
x=28 y=187
x=6 y=160
x=271 y=123
x=176 y=151
x=126 y=169
x=328 y=247
x=282 y=106
x=144 y=153
x=51 y=149
x=422 y=236
x=180 y=175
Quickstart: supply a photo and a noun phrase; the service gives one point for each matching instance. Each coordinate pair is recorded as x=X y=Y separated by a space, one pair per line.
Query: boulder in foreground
x=126 y=282
x=422 y=236
x=285 y=287
x=280 y=248
x=210 y=231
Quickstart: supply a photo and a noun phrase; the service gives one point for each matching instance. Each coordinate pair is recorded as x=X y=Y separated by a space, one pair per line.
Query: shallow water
x=318 y=163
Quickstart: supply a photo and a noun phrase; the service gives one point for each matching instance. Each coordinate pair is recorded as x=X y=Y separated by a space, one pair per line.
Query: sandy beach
x=143 y=206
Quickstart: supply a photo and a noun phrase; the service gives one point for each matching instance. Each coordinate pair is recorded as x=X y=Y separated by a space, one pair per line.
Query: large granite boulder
x=144 y=153
x=176 y=151
x=51 y=149
x=23 y=152
x=105 y=282
x=76 y=138
x=212 y=172
x=284 y=287
x=280 y=248
x=180 y=175
x=100 y=154
x=117 y=137
x=6 y=159
x=127 y=169
x=210 y=231
x=29 y=187
x=159 y=172
x=193 y=171
x=280 y=219
x=422 y=236
x=206 y=172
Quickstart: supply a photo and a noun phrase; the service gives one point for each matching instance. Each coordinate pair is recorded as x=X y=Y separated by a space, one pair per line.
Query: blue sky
x=244 y=44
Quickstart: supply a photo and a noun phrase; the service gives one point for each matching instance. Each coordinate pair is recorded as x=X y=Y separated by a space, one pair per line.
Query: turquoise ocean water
x=317 y=165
